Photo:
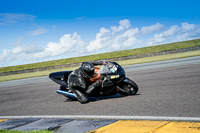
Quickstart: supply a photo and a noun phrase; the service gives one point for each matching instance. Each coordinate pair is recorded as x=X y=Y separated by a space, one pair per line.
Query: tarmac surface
x=166 y=88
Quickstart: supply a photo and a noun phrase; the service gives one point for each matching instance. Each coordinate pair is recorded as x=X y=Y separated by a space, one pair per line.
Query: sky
x=43 y=30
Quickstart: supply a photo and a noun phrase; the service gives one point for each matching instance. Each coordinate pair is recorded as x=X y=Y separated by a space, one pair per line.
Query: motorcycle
x=114 y=82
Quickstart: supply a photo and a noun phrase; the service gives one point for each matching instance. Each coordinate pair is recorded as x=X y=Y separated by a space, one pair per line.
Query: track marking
x=127 y=126
x=158 y=128
x=153 y=118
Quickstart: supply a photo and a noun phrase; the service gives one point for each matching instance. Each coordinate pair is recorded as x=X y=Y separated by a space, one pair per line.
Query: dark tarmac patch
x=14 y=123
x=54 y=124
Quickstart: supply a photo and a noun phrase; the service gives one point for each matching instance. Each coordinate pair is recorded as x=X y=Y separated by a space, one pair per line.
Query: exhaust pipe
x=67 y=94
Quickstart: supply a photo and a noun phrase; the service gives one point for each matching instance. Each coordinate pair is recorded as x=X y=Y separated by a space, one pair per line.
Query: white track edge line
x=157 y=118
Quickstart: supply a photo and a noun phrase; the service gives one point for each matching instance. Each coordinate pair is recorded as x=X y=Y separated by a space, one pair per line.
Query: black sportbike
x=114 y=82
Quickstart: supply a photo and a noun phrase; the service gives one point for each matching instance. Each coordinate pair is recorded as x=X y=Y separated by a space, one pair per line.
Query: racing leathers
x=77 y=80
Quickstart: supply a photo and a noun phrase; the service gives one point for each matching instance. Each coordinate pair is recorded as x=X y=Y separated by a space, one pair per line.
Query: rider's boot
x=82 y=98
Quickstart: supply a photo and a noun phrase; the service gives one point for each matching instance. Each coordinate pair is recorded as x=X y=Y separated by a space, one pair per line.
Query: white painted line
x=156 y=118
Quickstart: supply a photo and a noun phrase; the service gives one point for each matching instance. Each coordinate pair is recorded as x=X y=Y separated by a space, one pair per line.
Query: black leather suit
x=78 y=85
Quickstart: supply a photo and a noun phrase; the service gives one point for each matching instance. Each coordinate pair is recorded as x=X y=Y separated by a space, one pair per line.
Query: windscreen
x=108 y=68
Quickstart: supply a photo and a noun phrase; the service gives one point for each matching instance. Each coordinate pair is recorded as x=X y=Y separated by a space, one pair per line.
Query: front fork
x=122 y=87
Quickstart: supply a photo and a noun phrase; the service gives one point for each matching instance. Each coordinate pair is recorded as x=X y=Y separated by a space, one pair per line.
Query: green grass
x=13 y=131
x=123 y=62
x=138 y=51
x=160 y=58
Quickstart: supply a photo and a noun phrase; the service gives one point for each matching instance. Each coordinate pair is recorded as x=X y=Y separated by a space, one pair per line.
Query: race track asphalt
x=166 y=88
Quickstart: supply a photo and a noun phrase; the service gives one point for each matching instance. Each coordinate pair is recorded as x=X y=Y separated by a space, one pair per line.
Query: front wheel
x=128 y=87
x=133 y=87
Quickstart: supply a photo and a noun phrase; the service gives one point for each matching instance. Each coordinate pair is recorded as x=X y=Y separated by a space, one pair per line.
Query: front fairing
x=113 y=71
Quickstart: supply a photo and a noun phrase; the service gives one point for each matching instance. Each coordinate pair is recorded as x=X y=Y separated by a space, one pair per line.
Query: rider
x=77 y=80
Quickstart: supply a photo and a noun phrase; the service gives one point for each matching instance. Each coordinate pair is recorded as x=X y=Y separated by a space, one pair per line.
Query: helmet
x=87 y=69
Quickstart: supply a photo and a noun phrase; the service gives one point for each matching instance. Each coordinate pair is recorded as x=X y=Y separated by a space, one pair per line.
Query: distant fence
x=111 y=59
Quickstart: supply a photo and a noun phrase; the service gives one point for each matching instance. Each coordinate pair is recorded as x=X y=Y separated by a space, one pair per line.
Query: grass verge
x=123 y=53
x=160 y=58
x=123 y=62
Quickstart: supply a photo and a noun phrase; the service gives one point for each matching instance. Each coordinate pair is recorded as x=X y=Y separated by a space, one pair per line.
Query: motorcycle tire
x=128 y=88
x=133 y=87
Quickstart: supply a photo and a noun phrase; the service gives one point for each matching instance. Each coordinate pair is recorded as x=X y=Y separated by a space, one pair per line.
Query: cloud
x=123 y=24
x=69 y=44
x=176 y=33
x=120 y=37
x=12 y=18
x=116 y=38
x=151 y=28
x=81 y=18
x=188 y=32
x=38 y=31
x=163 y=36
x=187 y=26
x=19 y=52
